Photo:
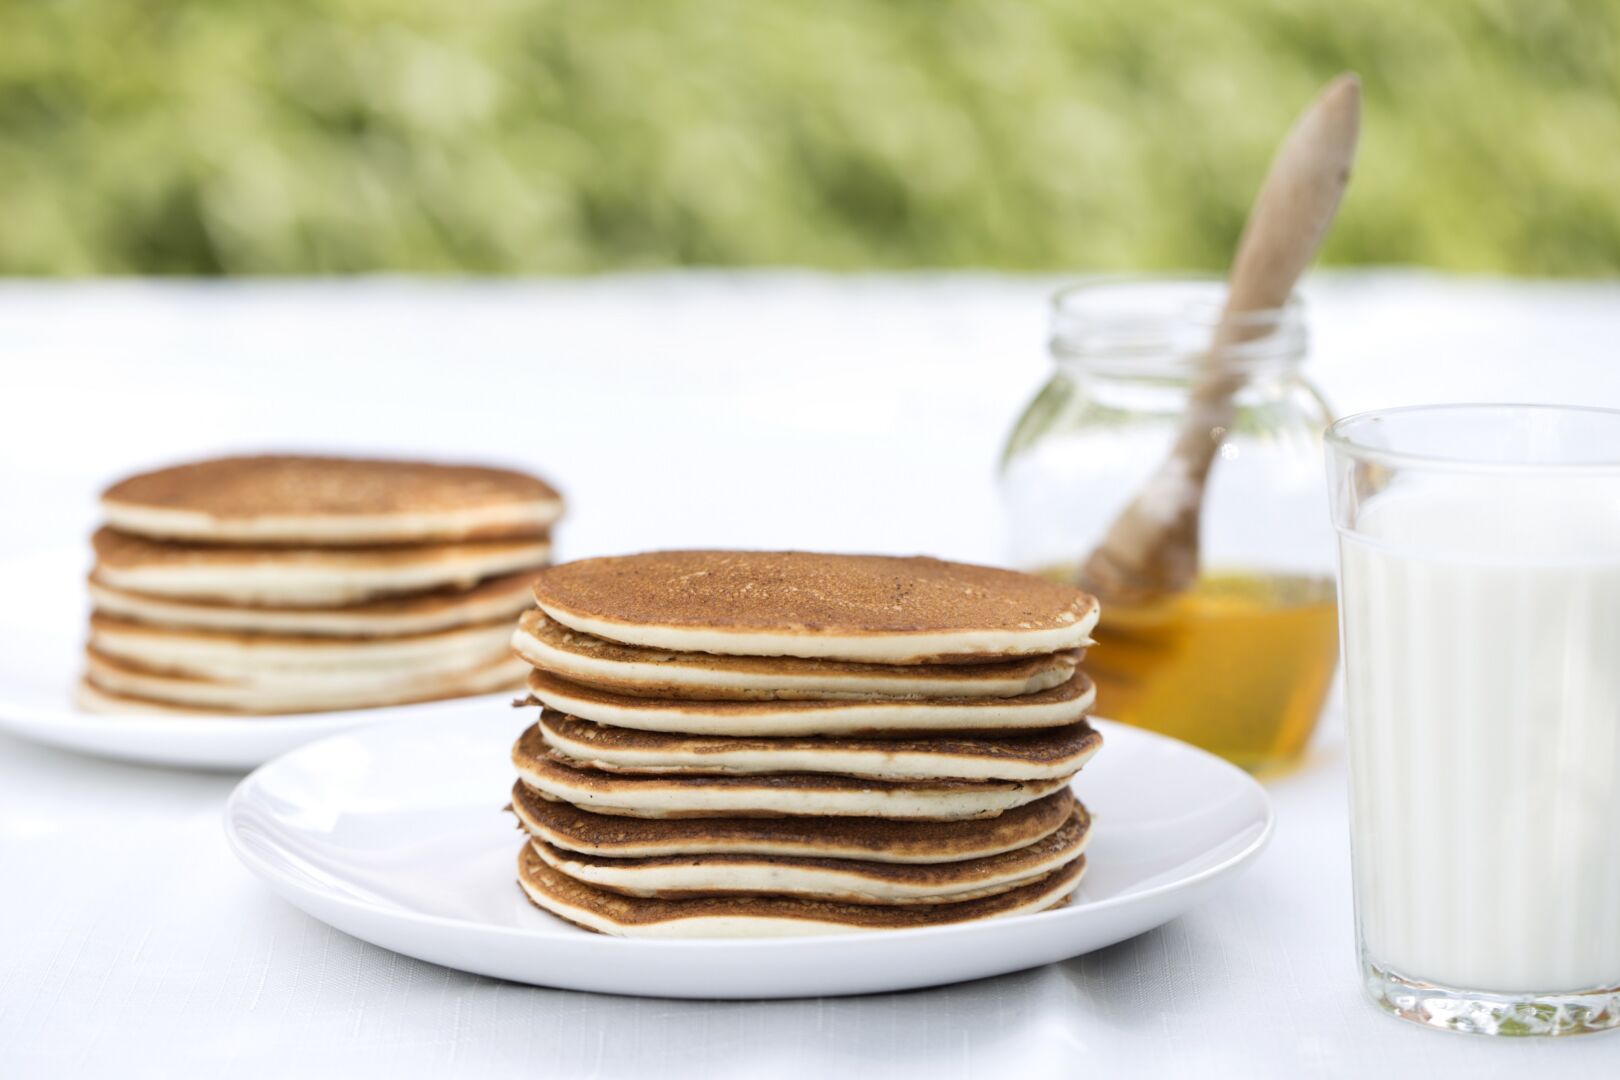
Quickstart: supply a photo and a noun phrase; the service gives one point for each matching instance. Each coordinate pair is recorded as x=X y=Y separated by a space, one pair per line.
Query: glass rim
x=1339 y=439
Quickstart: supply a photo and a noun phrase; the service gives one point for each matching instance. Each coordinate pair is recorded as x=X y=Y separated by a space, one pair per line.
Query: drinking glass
x=1479 y=591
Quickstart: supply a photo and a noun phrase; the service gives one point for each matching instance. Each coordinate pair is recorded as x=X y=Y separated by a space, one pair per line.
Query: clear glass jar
x=1240 y=663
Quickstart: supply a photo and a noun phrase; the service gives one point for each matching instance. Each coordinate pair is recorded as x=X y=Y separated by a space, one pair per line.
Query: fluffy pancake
x=115 y=681
x=1036 y=755
x=770 y=795
x=642 y=672
x=92 y=699
x=501 y=598
x=1060 y=706
x=275 y=658
x=767 y=916
x=873 y=839
x=864 y=608
x=289 y=499
x=846 y=881
x=309 y=577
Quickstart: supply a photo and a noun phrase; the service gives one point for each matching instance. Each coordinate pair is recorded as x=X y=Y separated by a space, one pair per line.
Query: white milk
x=1481 y=626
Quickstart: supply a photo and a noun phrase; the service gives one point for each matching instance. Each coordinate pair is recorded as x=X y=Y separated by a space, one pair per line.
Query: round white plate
x=396 y=835
x=42 y=632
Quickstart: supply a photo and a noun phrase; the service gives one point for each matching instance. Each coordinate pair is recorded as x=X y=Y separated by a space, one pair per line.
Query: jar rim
x=1166 y=324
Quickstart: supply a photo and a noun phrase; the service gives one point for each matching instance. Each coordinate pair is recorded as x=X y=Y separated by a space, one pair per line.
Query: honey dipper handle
x=1152 y=547
x=1297 y=201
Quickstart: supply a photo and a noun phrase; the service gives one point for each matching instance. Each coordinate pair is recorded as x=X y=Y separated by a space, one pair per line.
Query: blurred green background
x=523 y=136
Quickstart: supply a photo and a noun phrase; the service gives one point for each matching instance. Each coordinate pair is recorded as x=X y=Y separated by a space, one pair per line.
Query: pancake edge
x=667 y=797
x=867 y=763
x=497 y=675
x=672 y=679
x=892 y=647
x=510 y=521
x=893 y=851
x=346 y=621
x=1048 y=893
x=246 y=658
x=318 y=586
x=844 y=881
x=839 y=717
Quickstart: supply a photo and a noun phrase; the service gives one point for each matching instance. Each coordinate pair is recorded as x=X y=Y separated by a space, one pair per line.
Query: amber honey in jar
x=1241 y=663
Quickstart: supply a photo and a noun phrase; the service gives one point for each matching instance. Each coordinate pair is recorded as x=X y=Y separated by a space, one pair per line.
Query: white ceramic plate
x=396 y=835
x=42 y=632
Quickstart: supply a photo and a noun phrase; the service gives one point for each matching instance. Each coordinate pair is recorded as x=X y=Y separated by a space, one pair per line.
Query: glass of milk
x=1479 y=591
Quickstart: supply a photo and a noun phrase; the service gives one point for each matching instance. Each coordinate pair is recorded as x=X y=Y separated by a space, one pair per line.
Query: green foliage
x=503 y=136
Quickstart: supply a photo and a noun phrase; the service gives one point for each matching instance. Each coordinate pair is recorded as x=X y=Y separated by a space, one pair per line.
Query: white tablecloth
x=770 y=410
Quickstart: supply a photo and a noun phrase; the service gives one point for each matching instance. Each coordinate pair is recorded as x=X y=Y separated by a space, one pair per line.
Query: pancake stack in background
x=284 y=584
x=773 y=743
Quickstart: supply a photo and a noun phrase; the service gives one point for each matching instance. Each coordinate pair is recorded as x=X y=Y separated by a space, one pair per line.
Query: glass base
x=1480 y=1013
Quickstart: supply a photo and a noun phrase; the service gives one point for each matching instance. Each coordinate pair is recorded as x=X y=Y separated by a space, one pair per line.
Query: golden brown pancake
x=299 y=499
x=563 y=825
x=846 y=881
x=1034 y=755
x=864 y=608
x=116 y=682
x=419 y=613
x=767 y=916
x=91 y=698
x=641 y=672
x=768 y=795
x=303 y=577
x=232 y=656
x=1061 y=706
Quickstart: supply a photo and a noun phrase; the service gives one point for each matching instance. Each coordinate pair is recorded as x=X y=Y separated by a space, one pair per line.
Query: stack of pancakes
x=295 y=584
x=752 y=743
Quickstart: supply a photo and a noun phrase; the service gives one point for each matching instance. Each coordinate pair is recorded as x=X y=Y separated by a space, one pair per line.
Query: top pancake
x=291 y=499
x=869 y=608
x=643 y=672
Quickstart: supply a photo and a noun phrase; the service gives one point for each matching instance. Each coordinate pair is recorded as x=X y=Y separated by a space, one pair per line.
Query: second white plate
x=42 y=632
x=396 y=835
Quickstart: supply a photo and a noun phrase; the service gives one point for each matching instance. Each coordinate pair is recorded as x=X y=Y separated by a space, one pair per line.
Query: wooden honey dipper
x=1151 y=549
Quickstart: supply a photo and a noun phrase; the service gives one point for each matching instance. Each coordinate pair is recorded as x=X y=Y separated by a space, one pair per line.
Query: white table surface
x=769 y=410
